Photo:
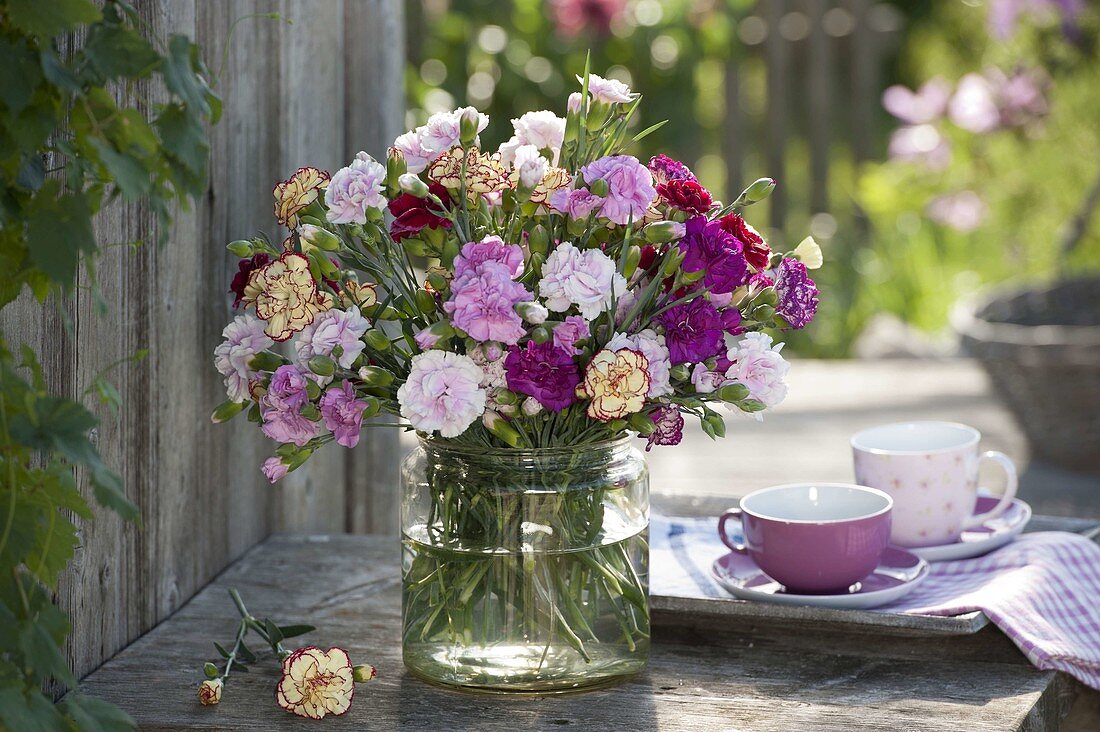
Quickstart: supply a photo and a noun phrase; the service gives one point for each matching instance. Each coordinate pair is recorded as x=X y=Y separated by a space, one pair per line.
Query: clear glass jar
x=525 y=570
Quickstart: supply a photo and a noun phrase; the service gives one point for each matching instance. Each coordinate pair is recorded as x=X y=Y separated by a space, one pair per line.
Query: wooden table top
x=701 y=676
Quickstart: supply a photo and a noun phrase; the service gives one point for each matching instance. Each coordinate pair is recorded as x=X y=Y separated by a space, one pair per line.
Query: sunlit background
x=930 y=147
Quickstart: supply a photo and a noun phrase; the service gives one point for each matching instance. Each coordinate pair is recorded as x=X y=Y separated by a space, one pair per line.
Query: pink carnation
x=330 y=329
x=244 y=338
x=586 y=278
x=567 y=333
x=630 y=187
x=611 y=91
x=343 y=413
x=280 y=406
x=760 y=367
x=354 y=189
x=489 y=249
x=483 y=303
x=274 y=469
x=578 y=203
x=442 y=393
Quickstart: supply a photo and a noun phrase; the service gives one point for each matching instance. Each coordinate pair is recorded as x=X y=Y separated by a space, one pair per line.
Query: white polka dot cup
x=930 y=469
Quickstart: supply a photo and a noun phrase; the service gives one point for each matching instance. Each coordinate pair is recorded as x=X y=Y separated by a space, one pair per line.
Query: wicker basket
x=1041 y=348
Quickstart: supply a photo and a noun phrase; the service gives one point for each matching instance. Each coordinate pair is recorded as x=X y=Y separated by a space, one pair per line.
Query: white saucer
x=983 y=539
x=898 y=573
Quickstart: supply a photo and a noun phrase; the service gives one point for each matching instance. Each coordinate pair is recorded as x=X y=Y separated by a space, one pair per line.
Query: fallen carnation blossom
x=316 y=682
x=210 y=692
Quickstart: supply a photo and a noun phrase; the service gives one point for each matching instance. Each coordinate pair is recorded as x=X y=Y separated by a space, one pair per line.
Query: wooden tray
x=672 y=610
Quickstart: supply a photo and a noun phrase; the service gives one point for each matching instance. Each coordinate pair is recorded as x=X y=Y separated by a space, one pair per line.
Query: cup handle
x=1010 y=489
x=731 y=513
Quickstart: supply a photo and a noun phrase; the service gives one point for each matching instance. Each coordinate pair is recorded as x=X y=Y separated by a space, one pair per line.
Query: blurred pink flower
x=920 y=144
x=926 y=104
x=963 y=211
x=974 y=104
x=573 y=17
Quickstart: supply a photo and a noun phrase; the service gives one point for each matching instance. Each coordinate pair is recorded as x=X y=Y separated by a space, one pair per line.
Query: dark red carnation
x=686 y=195
x=756 y=250
x=649 y=256
x=411 y=214
x=244 y=271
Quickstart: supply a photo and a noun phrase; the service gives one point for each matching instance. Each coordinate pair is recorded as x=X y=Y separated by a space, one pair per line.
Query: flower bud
x=322 y=365
x=266 y=361
x=210 y=670
x=530 y=407
x=310 y=412
x=363 y=673
x=505 y=396
x=375 y=376
x=377 y=340
x=533 y=312
x=573 y=104
x=758 y=191
x=661 y=232
x=767 y=296
x=672 y=262
x=395 y=166
x=319 y=237
x=226 y=411
x=313 y=389
x=374 y=406
x=763 y=313
x=599 y=187
x=714 y=425
x=411 y=184
x=538 y=240
x=500 y=427
x=240 y=247
x=680 y=372
x=492 y=350
x=416 y=246
x=210 y=692
x=425 y=303
x=438 y=279
x=541 y=334
x=617 y=425
x=732 y=392
x=467 y=126
x=633 y=259
x=751 y=405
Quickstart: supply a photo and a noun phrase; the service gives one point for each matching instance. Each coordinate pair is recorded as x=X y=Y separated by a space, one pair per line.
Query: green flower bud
x=298 y=459
x=313 y=389
x=689 y=277
x=438 y=281
x=732 y=392
x=672 y=262
x=661 y=232
x=226 y=411
x=633 y=259
x=500 y=427
x=767 y=296
x=599 y=187
x=763 y=313
x=425 y=303
x=538 y=240
x=375 y=376
x=377 y=340
x=541 y=334
x=310 y=412
x=680 y=372
x=751 y=405
x=412 y=185
x=467 y=126
x=363 y=673
x=504 y=396
x=210 y=670
x=240 y=247
x=319 y=237
x=714 y=425
x=758 y=191
x=266 y=361
x=617 y=425
x=322 y=365
x=416 y=246
x=395 y=167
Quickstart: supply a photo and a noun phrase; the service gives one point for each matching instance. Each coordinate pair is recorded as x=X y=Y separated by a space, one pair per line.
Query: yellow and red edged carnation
x=554 y=179
x=210 y=692
x=286 y=296
x=617 y=383
x=357 y=294
x=296 y=192
x=484 y=173
x=315 y=682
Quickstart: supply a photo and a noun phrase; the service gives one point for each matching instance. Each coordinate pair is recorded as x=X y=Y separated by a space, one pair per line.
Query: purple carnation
x=629 y=187
x=274 y=469
x=669 y=425
x=708 y=247
x=544 y=372
x=665 y=169
x=343 y=413
x=489 y=249
x=797 y=293
x=566 y=334
x=578 y=203
x=483 y=303
x=286 y=394
x=693 y=331
x=287 y=387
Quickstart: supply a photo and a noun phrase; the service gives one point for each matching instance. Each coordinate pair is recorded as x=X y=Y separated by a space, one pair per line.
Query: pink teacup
x=930 y=469
x=813 y=538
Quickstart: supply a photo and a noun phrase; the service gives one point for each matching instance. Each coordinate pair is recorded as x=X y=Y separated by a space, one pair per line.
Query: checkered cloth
x=1042 y=590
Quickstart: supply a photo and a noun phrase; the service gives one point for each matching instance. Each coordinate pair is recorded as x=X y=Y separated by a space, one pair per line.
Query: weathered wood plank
x=699 y=679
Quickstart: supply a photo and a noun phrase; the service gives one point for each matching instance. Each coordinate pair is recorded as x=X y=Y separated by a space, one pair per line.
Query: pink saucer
x=899 y=571
x=983 y=539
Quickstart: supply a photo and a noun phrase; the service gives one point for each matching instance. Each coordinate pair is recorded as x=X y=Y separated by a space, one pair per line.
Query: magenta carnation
x=666 y=169
x=489 y=249
x=693 y=331
x=629 y=187
x=544 y=372
x=797 y=293
x=343 y=413
x=669 y=425
x=708 y=247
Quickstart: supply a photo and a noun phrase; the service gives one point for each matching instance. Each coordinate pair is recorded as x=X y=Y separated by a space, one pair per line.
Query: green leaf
x=57 y=73
x=293 y=631
x=57 y=425
x=183 y=136
x=21 y=73
x=39 y=640
x=180 y=77
x=28 y=711
x=59 y=229
x=224 y=653
x=55 y=543
x=245 y=654
x=129 y=173
x=274 y=635
x=95 y=715
x=116 y=50
x=108 y=491
x=47 y=19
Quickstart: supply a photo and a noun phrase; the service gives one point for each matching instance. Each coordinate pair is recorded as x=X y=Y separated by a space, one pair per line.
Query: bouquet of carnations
x=556 y=295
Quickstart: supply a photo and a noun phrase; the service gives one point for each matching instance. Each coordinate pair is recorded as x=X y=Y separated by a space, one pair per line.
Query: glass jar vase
x=525 y=570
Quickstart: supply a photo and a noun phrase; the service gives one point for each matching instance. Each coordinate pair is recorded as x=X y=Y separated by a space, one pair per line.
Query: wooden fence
x=312 y=92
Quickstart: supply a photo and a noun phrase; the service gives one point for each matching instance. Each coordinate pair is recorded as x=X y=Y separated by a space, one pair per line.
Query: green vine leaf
x=95 y=715
x=45 y=20
x=59 y=230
